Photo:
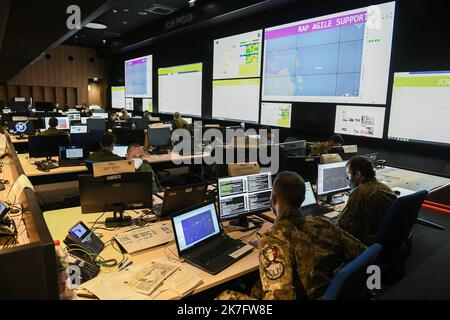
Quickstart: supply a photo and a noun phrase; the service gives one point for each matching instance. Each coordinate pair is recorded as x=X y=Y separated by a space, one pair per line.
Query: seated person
x=52 y=131
x=136 y=153
x=178 y=122
x=319 y=148
x=298 y=255
x=368 y=203
x=106 y=152
x=111 y=123
x=125 y=115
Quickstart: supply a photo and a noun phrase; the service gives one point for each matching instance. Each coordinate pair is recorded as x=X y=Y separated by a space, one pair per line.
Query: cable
x=171 y=259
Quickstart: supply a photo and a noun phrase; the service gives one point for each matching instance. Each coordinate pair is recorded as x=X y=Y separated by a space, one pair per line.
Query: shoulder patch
x=271 y=253
x=274 y=270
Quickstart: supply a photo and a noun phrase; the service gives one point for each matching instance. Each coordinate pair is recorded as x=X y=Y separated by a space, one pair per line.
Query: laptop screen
x=195 y=226
x=310 y=199
x=120 y=151
x=71 y=153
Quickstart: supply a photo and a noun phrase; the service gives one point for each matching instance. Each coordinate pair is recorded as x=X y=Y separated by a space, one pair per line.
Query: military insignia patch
x=271 y=253
x=274 y=270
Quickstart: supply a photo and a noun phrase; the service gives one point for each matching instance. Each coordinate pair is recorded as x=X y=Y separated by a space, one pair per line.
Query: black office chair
x=396 y=237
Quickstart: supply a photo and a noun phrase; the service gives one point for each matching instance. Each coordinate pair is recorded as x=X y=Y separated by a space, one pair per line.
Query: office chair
x=396 y=237
x=350 y=283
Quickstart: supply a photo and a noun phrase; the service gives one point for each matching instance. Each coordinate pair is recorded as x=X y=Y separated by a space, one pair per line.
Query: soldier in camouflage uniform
x=319 y=148
x=368 y=203
x=299 y=255
x=136 y=153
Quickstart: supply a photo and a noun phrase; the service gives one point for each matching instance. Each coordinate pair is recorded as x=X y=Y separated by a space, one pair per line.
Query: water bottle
x=61 y=270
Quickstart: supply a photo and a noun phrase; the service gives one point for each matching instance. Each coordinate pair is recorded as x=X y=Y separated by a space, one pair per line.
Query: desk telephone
x=83 y=246
x=45 y=166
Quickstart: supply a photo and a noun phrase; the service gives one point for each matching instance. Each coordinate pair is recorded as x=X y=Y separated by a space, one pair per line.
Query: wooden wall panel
x=60 y=96
x=4 y=93
x=49 y=94
x=60 y=72
x=25 y=91
x=13 y=91
x=71 y=96
x=38 y=94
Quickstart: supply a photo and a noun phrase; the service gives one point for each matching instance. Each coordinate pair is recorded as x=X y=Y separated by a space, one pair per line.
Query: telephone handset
x=82 y=242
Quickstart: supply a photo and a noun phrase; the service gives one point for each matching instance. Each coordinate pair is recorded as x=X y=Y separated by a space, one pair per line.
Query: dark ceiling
x=30 y=28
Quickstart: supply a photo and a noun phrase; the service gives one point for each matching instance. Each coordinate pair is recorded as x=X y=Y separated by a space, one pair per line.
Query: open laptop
x=179 y=198
x=309 y=206
x=201 y=241
x=70 y=156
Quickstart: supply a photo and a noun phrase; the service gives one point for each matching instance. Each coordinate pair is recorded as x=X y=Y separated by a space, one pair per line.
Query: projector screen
x=363 y=121
x=338 y=58
x=238 y=56
x=118 y=97
x=420 y=108
x=276 y=114
x=236 y=100
x=180 y=89
x=138 y=77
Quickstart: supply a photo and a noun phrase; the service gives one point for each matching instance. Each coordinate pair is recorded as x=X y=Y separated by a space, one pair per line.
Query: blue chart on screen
x=198 y=227
x=315 y=63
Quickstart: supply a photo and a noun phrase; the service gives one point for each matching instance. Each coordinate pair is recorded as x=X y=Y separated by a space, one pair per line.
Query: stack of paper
x=145 y=238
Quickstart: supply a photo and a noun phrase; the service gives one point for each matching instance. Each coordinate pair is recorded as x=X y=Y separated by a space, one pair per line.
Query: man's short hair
x=133 y=145
x=337 y=139
x=363 y=165
x=290 y=188
x=53 y=122
x=108 y=140
x=177 y=115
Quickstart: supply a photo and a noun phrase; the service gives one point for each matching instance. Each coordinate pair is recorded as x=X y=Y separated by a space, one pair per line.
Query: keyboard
x=316 y=210
x=45 y=166
x=215 y=251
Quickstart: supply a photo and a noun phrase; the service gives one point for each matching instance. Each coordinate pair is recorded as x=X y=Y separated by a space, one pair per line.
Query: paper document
x=150 y=276
x=183 y=282
x=145 y=238
x=403 y=191
x=17 y=189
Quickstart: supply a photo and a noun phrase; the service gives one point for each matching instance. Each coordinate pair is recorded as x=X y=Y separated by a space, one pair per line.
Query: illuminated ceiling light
x=96 y=26
x=191 y=3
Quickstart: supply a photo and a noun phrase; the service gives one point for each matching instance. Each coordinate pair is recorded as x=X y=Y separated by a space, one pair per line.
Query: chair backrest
x=350 y=283
x=400 y=219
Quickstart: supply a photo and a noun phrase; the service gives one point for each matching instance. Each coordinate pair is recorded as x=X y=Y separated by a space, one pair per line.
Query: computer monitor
x=188 y=120
x=296 y=148
x=332 y=179
x=84 y=120
x=340 y=150
x=141 y=123
x=96 y=125
x=99 y=115
x=72 y=152
x=120 y=151
x=21 y=127
x=74 y=116
x=90 y=140
x=159 y=137
x=310 y=198
x=127 y=191
x=242 y=196
x=125 y=137
x=304 y=166
x=78 y=129
x=44 y=106
x=46 y=146
x=63 y=123
x=19 y=106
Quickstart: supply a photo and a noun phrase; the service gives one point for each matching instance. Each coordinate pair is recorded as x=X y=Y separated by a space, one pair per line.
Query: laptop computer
x=70 y=156
x=201 y=241
x=309 y=206
x=179 y=198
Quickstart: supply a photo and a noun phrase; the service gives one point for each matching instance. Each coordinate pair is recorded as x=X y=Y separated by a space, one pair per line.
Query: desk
x=60 y=221
x=14 y=140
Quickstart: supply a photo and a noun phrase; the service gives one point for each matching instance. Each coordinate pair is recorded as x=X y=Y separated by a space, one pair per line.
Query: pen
x=121 y=264
x=126 y=266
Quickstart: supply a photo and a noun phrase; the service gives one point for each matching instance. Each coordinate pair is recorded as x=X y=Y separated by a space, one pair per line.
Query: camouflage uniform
x=104 y=155
x=51 y=132
x=298 y=258
x=146 y=167
x=317 y=148
x=366 y=208
x=179 y=124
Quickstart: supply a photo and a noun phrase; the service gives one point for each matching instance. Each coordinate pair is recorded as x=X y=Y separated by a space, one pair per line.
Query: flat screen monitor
x=159 y=137
x=19 y=106
x=94 y=125
x=78 y=129
x=44 y=106
x=338 y=58
x=276 y=114
x=63 y=123
x=120 y=151
x=362 y=121
x=310 y=198
x=71 y=152
x=140 y=123
x=420 y=107
x=46 y=146
x=99 y=115
x=128 y=191
x=84 y=120
x=90 y=140
x=125 y=137
x=74 y=116
x=21 y=127
x=332 y=178
x=139 y=77
x=241 y=196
